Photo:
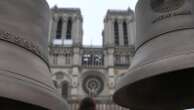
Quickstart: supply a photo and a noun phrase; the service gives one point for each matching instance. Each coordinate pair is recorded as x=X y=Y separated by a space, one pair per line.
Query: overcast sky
x=93 y=12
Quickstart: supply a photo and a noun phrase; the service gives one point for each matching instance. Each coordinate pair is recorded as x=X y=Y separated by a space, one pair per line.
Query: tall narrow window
x=55 y=59
x=68 y=58
x=125 y=33
x=59 y=29
x=69 y=29
x=65 y=89
x=116 y=33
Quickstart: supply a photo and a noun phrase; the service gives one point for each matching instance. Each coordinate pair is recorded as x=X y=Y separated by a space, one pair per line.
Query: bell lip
x=155 y=68
x=17 y=89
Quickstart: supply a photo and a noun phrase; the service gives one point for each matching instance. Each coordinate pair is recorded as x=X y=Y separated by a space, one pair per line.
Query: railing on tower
x=92 y=57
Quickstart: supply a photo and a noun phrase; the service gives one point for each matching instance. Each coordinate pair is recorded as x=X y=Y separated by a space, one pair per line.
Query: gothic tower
x=118 y=41
x=66 y=27
x=79 y=71
x=119 y=28
x=64 y=49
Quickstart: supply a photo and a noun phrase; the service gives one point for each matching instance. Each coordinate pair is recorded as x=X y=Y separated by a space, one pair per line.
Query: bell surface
x=25 y=79
x=161 y=76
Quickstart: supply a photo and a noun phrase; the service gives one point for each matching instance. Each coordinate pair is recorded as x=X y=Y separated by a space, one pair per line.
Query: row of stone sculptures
x=161 y=76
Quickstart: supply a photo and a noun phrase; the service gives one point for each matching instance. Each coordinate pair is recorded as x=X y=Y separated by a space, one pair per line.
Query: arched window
x=55 y=59
x=69 y=29
x=59 y=75
x=59 y=29
x=125 y=33
x=68 y=58
x=65 y=86
x=116 y=32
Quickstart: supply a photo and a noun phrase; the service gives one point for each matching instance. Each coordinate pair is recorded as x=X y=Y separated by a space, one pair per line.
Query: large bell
x=25 y=82
x=161 y=76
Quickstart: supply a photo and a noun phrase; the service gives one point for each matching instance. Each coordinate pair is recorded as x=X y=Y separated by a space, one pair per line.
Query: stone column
x=121 y=33
x=110 y=53
x=75 y=74
x=64 y=29
x=53 y=29
x=76 y=56
x=74 y=30
x=75 y=71
x=131 y=31
x=105 y=58
x=77 y=31
x=105 y=33
x=50 y=30
x=105 y=39
x=111 y=32
x=81 y=30
x=111 y=72
x=108 y=33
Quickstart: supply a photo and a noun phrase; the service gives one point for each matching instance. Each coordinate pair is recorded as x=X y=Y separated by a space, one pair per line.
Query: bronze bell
x=25 y=81
x=161 y=76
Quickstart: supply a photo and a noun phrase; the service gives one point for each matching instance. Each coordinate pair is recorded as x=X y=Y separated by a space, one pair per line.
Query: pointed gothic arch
x=116 y=32
x=125 y=33
x=59 y=28
x=69 y=29
x=65 y=89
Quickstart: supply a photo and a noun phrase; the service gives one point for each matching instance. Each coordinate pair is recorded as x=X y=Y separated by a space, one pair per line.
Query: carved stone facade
x=79 y=70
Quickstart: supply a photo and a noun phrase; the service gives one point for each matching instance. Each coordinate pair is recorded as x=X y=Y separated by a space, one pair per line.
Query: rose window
x=93 y=85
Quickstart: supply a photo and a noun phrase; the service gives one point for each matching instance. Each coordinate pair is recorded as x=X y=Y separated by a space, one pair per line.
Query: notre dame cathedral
x=79 y=71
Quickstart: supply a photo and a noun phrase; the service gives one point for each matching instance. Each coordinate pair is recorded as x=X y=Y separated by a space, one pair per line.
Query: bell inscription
x=163 y=6
x=160 y=76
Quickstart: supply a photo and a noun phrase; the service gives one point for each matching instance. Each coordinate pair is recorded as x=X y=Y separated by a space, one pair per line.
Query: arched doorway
x=65 y=89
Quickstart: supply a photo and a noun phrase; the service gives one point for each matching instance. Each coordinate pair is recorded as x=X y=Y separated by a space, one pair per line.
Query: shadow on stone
x=8 y=104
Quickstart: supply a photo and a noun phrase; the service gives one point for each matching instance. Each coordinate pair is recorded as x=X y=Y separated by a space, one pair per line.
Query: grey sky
x=93 y=12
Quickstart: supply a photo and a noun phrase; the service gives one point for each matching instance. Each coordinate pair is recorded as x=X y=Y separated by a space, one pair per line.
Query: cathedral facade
x=79 y=71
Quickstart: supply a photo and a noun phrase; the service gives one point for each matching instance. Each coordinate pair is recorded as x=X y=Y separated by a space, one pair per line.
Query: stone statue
x=166 y=5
